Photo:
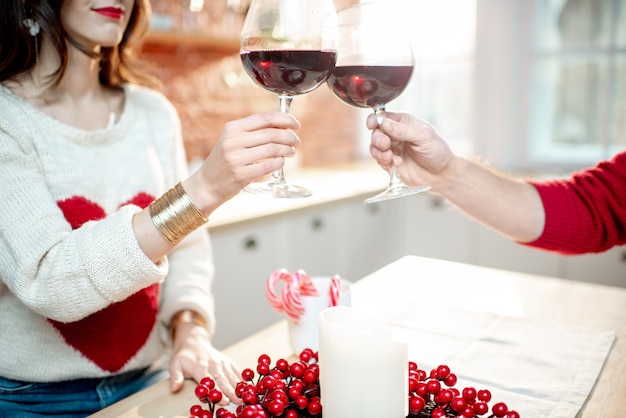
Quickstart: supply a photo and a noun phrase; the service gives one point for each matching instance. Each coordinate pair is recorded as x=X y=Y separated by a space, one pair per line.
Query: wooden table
x=546 y=299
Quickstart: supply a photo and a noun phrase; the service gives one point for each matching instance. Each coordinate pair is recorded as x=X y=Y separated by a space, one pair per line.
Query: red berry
x=484 y=395
x=444 y=397
x=412 y=366
x=422 y=389
x=306 y=355
x=458 y=404
x=469 y=394
x=450 y=380
x=282 y=365
x=512 y=414
x=297 y=383
x=263 y=369
x=500 y=409
x=247 y=375
x=291 y=413
x=468 y=412
x=202 y=392
x=412 y=384
x=416 y=404
x=315 y=368
x=443 y=371
x=481 y=408
x=438 y=413
x=433 y=386
x=264 y=359
x=315 y=406
x=196 y=410
x=268 y=382
x=214 y=396
x=297 y=370
x=248 y=411
x=208 y=382
x=276 y=407
x=249 y=398
x=279 y=394
x=301 y=401
x=309 y=376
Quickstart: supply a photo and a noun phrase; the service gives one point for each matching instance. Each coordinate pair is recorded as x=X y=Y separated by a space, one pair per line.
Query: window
x=578 y=105
x=531 y=86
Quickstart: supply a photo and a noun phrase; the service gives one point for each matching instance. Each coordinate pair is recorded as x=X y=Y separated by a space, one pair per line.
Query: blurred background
x=535 y=87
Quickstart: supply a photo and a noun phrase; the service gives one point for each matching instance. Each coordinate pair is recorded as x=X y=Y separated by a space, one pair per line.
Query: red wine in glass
x=289 y=72
x=288 y=47
x=369 y=86
x=373 y=86
x=374 y=65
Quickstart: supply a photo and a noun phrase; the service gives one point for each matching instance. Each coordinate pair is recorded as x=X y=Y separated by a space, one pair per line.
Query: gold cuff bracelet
x=175 y=215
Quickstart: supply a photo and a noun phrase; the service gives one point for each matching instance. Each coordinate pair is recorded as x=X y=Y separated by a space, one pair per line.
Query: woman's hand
x=195 y=358
x=247 y=149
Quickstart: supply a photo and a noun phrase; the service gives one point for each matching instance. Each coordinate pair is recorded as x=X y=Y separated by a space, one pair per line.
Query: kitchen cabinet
x=344 y=237
x=352 y=239
x=433 y=228
x=244 y=256
x=311 y=240
x=371 y=236
x=494 y=250
x=606 y=268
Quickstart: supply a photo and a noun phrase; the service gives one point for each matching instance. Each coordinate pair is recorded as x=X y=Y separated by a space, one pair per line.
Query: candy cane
x=335 y=290
x=289 y=299
x=307 y=288
x=290 y=296
x=270 y=288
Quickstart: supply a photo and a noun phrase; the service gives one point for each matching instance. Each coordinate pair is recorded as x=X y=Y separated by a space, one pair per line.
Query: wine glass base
x=394 y=192
x=273 y=189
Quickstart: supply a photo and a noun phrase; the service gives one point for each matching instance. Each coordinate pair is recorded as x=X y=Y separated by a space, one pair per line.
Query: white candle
x=304 y=333
x=363 y=369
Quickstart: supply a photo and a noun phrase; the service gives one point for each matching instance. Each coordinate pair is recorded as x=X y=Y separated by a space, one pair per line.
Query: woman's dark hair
x=19 y=49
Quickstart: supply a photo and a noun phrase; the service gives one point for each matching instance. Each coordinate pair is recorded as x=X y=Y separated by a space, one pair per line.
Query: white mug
x=304 y=333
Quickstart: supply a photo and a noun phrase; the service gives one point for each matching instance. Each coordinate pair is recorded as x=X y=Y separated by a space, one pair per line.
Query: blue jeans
x=71 y=399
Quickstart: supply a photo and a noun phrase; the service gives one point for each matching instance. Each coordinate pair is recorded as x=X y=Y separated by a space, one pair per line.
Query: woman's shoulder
x=15 y=120
x=148 y=97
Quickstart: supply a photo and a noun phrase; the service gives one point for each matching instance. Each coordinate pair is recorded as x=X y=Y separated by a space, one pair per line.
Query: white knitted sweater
x=78 y=297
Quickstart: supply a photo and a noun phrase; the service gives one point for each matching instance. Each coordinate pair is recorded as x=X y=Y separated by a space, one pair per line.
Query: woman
x=104 y=263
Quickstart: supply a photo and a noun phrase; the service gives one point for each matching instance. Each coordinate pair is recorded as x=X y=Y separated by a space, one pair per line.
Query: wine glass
x=374 y=65
x=289 y=48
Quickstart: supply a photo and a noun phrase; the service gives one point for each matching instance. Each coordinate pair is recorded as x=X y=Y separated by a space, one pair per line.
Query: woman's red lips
x=112 y=12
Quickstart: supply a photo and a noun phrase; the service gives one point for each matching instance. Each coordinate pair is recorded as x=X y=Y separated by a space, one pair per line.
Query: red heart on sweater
x=113 y=335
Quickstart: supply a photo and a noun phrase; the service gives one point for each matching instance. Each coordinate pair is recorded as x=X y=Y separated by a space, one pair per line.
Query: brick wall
x=209 y=87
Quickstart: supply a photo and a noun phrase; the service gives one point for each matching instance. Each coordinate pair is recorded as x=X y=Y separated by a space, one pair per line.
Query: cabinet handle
x=250 y=244
x=373 y=208
x=623 y=258
x=436 y=202
x=317 y=224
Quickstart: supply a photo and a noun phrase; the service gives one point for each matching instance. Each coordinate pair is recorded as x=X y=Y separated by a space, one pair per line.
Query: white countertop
x=328 y=184
x=541 y=330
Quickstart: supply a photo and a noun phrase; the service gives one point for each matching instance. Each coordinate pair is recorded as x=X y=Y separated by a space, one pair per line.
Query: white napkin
x=537 y=369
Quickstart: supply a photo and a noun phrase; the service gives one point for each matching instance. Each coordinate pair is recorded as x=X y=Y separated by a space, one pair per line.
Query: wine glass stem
x=285 y=102
x=278 y=176
x=394 y=177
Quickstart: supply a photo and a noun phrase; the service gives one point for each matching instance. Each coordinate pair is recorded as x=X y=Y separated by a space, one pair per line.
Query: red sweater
x=587 y=212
